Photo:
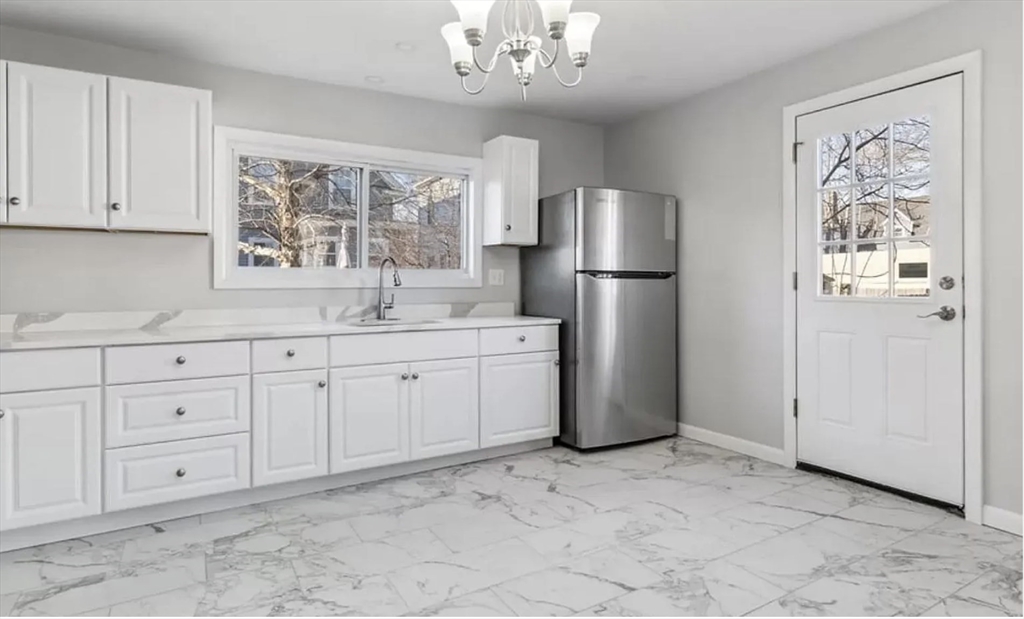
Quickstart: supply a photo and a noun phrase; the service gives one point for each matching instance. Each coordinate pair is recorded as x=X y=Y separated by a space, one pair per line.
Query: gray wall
x=92 y=271
x=719 y=152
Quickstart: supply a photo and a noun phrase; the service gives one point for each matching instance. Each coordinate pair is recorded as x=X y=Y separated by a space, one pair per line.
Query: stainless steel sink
x=377 y=322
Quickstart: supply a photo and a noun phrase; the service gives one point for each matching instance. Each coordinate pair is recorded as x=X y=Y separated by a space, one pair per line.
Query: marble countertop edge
x=127 y=337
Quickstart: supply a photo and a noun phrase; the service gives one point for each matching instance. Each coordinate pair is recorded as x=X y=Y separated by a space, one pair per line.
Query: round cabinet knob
x=508 y=226
x=180 y=360
x=405 y=376
x=522 y=338
x=415 y=376
x=291 y=352
x=180 y=472
x=15 y=201
x=180 y=412
x=2 y=413
x=557 y=362
x=322 y=384
x=116 y=206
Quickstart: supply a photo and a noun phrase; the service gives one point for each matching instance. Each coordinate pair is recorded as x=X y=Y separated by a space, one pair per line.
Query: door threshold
x=957 y=510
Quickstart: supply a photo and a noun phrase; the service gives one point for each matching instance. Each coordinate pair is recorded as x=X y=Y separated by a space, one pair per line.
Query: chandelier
x=520 y=44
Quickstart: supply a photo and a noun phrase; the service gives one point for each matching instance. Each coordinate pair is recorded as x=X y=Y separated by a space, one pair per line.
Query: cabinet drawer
x=157 y=412
x=150 y=474
x=512 y=340
x=39 y=370
x=300 y=353
x=137 y=364
x=374 y=348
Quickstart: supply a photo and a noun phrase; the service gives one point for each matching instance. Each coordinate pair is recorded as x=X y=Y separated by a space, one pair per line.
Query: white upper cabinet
x=289 y=426
x=3 y=142
x=160 y=141
x=56 y=146
x=49 y=456
x=445 y=407
x=518 y=398
x=510 y=191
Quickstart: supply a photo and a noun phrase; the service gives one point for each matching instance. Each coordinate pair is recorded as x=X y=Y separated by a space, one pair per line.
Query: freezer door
x=624 y=231
x=626 y=358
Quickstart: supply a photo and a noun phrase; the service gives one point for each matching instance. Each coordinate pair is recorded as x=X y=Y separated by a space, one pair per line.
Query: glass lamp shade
x=473 y=13
x=579 y=32
x=457 y=46
x=530 y=62
x=554 y=11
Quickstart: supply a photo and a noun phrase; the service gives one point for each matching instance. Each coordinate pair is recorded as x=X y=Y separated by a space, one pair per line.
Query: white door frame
x=970 y=66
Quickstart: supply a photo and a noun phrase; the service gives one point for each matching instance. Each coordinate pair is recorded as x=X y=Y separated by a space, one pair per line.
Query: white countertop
x=121 y=337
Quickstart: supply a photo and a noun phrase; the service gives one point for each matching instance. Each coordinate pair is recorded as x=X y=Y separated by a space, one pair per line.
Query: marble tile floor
x=669 y=528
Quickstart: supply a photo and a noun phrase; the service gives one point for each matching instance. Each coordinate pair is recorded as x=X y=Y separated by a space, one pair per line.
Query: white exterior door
x=57 y=132
x=49 y=456
x=369 y=416
x=289 y=426
x=518 y=398
x=880 y=294
x=159 y=156
x=445 y=412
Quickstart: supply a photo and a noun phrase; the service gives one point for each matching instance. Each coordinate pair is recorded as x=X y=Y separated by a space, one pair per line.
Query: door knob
x=945 y=312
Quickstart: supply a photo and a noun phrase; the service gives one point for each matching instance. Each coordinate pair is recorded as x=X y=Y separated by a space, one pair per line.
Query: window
x=874 y=210
x=296 y=212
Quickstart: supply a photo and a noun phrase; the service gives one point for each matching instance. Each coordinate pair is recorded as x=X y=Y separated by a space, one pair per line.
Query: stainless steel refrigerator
x=605 y=263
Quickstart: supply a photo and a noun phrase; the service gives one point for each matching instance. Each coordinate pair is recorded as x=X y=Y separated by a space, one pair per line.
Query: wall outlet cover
x=496 y=277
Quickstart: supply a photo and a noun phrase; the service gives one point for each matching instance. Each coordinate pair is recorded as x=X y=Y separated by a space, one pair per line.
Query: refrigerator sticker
x=670 y=219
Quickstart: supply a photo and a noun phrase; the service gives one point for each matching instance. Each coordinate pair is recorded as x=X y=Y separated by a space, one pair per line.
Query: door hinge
x=796 y=146
x=794 y=280
x=795 y=408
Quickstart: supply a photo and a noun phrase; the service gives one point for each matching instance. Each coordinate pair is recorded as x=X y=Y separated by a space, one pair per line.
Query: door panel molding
x=969 y=66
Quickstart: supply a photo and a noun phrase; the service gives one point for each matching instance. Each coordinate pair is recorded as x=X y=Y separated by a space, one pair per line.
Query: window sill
x=277 y=278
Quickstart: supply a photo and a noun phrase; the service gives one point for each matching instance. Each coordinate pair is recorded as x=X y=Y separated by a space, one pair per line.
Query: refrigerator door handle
x=629 y=274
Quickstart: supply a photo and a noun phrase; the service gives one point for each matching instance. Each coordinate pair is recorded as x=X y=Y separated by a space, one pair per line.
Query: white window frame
x=231 y=142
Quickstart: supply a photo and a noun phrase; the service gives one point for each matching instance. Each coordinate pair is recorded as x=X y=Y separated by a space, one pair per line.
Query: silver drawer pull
x=405 y=376
x=522 y=338
x=180 y=472
x=180 y=360
x=322 y=384
x=180 y=412
x=557 y=362
x=291 y=352
x=2 y=413
x=415 y=376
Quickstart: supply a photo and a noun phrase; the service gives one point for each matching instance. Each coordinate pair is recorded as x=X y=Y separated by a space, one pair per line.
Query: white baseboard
x=113 y=521
x=1002 y=519
x=743 y=446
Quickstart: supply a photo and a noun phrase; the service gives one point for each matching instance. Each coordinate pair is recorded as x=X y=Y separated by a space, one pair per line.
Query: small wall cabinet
x=510 y=191
x=87 y=151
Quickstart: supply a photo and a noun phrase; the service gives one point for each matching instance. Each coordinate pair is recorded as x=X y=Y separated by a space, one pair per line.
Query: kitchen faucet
x=382 y=306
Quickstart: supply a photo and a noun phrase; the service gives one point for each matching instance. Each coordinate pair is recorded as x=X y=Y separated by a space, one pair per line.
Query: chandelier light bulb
x=555 y=14
x=473 y=15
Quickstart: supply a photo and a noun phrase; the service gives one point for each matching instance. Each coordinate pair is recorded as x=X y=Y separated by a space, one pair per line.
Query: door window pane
x=912 y=268
x=416 y=219
x=836 y=266
x=911 y=146
x=872 y=153
x=834 y=160
x=911 y=207
x=297 y=214
x=872 y=211
x=834 y=205
x=872 y=270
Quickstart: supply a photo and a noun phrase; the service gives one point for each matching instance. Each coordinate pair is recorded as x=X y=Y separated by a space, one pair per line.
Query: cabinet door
x=519 y=398
x=160 y=137
x=49 y=456
x=3 y=142
x=369 y=416
x=520 y=176
x=57 y=144
x=445 y=410
x=289 y=426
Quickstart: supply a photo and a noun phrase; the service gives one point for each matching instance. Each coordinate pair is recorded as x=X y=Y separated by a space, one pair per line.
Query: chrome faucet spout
x=382 y=305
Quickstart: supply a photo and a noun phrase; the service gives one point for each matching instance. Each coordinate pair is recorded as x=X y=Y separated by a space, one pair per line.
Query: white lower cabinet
x=50 y=446
x=445 y=411
x=369 y=416
x=151 y=474
x=289 y=426
x=518 y=398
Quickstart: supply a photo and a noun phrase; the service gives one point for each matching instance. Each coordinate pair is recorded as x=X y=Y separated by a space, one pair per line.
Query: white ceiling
x=646 y=53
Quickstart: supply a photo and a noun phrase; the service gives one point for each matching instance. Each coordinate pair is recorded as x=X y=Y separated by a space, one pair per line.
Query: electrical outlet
x=496 y=277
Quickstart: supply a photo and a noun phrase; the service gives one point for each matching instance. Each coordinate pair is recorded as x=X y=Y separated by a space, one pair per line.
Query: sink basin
x=376 y=322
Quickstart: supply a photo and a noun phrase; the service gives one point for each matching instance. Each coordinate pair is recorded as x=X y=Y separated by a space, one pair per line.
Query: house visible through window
x=299 y=205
